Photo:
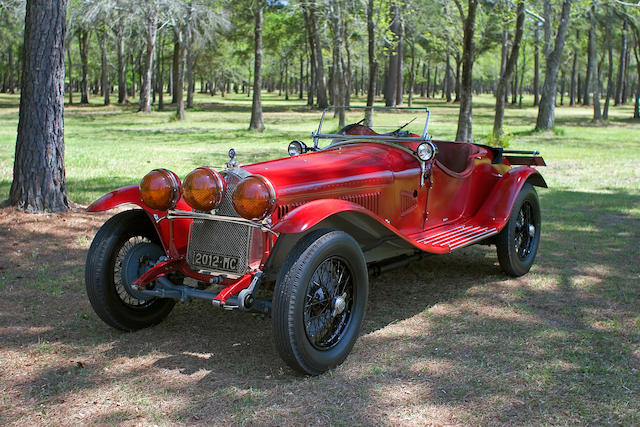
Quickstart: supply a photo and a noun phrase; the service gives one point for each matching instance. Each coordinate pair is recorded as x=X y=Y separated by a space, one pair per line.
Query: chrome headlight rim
x=426 y=151
x=296 y=148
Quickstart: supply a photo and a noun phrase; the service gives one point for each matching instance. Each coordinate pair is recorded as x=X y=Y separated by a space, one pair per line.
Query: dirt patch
x=447 y=340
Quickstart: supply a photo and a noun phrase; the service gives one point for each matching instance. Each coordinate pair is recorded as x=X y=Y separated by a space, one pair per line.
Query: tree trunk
x=591 y=59
x=191 y=86
x=175 y=71
x=536 y=66
x=546 y=110
x=391 y=83
x=106 y=88
x=286 y=80
x=39 y=183
x=179 y=82
x=593 y=66
x=122 y=69
x=579 y=91
x=447 y=79
x=301 y=78
x=522 y=71
x=321 y=82
x=83 y=42
x=465 y=131
x=562 y=83
x=70 y=76
x=151 y=28
x=607 y=102
x=338 y=73
x=412 y=75
x=506 y=75
x=256 y=106
x=574 y=79
x=311 y=75
x=133 y=76
x=347 y=68
x=426 y=79
x=514 y=85
x=400 y=51
x=622 y=69
x=636 y=108
x=457 y=86
x=160 y=74
x=373 y=64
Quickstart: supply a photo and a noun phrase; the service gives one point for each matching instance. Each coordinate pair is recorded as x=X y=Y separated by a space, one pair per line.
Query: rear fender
x=496 y=209
x=131 y=195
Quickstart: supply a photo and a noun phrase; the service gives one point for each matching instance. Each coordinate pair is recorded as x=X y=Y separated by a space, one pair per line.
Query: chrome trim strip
x=468 y=234
x=427 y=239
x=446 y=240
x=211 y=217
x=489 y=233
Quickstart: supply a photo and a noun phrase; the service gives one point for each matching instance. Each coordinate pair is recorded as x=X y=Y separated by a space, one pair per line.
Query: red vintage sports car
x=295 y=238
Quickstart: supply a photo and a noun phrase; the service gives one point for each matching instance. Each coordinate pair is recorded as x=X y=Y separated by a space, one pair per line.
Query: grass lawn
x=447 y=340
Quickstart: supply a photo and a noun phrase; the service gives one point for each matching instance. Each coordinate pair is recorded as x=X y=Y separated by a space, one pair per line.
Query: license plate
x=215 y=262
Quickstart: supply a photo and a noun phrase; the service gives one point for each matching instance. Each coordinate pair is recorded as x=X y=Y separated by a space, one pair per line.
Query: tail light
x=203 y=188
x=254 y=198
x=160 y=189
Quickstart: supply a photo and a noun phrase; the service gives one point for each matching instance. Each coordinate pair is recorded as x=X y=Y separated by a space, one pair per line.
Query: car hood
x=331 y=171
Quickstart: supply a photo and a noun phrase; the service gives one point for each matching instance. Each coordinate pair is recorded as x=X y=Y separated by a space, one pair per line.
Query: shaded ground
x=449 y=339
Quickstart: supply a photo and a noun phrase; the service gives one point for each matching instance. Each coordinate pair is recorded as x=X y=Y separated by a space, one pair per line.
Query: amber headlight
x=254 y=198
x=160 y=189
x=203 y=188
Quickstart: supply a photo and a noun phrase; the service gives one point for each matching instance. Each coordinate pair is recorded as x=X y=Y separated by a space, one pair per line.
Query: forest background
x=448 y=340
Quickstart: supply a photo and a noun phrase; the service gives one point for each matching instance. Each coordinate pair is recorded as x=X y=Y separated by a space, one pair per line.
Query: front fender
x=131 y=195
x=496 y=209
x=128 y=194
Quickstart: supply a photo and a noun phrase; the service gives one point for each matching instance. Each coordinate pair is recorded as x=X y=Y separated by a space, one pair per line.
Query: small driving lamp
x=297 y=147
x=426 y=151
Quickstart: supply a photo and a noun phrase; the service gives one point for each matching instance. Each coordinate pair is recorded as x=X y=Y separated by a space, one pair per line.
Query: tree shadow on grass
x=444 y=332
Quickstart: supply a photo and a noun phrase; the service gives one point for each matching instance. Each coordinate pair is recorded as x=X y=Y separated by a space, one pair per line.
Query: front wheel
x=123 y=249
x=319 y=301
x=518 y=241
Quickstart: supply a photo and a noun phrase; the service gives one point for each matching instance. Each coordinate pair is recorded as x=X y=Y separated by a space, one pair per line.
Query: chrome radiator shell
x=222 y=238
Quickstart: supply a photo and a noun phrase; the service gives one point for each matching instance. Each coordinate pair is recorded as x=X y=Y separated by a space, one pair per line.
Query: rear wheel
x=123 y=249
x=319 y=301
x=518 y=241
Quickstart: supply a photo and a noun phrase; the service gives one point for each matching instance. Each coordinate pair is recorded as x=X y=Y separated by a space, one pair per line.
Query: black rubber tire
x=510 y=262
x=290 y=336
x=99 y=274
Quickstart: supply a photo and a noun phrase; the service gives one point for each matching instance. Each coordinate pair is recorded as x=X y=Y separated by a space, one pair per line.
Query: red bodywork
x=463 y=197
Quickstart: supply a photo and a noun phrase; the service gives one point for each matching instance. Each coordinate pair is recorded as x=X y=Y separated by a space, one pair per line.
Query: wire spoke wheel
x=525 y=231
x=328 y=303
x=120 y=282
x=518 y=241
x=319 y=301
x=123 y=249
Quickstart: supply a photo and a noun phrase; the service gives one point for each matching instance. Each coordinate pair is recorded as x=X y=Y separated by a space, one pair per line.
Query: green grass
x=107 y=147
x=447 y=340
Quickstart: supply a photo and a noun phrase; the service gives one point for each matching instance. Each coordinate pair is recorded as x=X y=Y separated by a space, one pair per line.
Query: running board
x=449 y=238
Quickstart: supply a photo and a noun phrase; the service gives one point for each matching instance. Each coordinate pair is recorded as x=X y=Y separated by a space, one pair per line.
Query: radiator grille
x=221 y=238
